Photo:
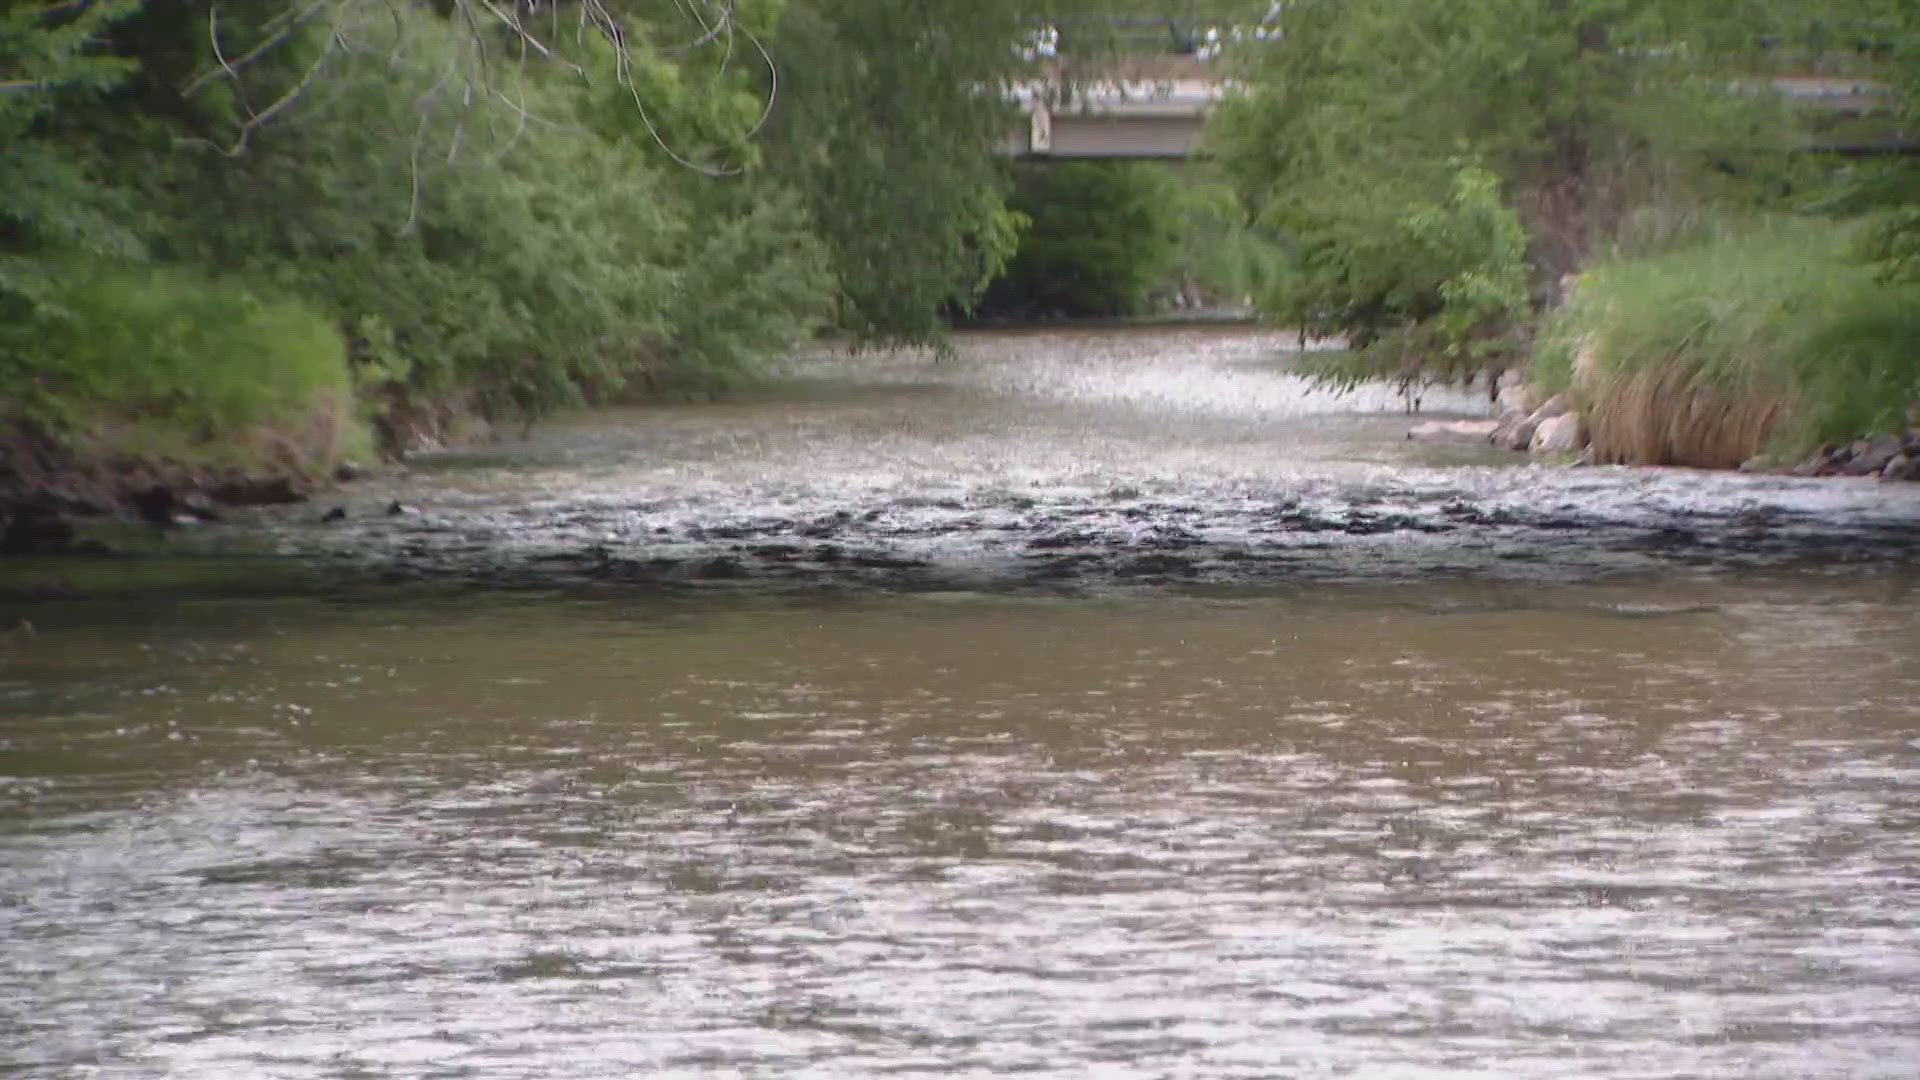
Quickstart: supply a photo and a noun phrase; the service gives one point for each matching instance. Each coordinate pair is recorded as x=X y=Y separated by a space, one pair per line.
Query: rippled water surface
x=1544 y=802
x=1065 y=458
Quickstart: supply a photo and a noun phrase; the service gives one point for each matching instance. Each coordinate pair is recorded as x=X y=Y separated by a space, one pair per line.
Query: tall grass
x=175 y=368
x=1768 y=340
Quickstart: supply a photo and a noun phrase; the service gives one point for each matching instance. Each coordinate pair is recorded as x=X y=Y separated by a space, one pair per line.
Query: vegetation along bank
x=247 y=244
x=1687 y=219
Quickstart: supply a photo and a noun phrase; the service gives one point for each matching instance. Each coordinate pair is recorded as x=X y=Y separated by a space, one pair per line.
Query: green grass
x=1769 y=340
x=170 y=366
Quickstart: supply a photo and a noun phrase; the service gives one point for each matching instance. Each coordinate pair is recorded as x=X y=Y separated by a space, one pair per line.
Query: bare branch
x=230 y=69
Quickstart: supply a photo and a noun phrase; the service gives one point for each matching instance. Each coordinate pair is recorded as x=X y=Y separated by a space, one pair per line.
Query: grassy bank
x=132 y=376
x=1769 y=340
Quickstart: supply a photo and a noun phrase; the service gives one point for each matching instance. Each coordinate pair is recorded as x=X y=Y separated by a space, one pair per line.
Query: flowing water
x=1085 y=705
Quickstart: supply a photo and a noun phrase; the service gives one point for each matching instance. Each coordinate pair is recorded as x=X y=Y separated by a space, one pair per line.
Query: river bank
x=1055 y=459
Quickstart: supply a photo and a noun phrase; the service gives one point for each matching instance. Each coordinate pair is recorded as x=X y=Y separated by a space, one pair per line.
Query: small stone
x=338 y=513
x=396 y=508
x=200 y=506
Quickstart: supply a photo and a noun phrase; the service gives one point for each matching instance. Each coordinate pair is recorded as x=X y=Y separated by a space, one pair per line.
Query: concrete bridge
x=1152 y=107
x=1159 y=110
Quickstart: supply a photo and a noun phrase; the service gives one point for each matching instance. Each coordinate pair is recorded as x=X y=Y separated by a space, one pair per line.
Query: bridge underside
x=1096 y=136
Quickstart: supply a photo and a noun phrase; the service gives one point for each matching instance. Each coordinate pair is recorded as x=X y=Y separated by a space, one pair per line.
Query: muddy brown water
x=1616 y=775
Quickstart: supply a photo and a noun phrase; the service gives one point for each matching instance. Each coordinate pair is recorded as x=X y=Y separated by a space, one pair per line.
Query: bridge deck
x=1156 y=107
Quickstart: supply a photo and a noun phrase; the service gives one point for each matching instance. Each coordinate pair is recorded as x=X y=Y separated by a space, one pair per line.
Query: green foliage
x=1103 y=235
x=52 y=49
x=753 y=285
x=490 y=217
x=1422 y=288
x=888 y=131
x=1777 y=313
x=1891 y=243
x=1221 y=255
x=531 y=248
x=1349 y=145
x=50 y=54
x=199 y=359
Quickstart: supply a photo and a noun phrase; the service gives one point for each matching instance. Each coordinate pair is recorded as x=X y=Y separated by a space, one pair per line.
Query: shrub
x=1426 y=289
x=1769 y=340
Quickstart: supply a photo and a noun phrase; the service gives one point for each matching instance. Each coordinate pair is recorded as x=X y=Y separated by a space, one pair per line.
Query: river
x=1084 y=704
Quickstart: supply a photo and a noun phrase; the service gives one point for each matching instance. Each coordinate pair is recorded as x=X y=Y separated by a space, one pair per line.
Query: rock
x=1901 y=466
x=199 y=506
x=396 y=508
x=155 y=504
x=1454 y=429
x=1516 y=432
x=338 y=513
x=346 y=472
x=1557 y=405
x=1512 y=430
x=1557 y=435
x=1513 y=393
x=1870 y=456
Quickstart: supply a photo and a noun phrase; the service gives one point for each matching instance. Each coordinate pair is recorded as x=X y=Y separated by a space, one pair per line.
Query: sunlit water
x=1065 y=458
x=1646 y=819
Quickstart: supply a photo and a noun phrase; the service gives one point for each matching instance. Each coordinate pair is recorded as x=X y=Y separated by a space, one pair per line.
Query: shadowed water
x=1580 y=805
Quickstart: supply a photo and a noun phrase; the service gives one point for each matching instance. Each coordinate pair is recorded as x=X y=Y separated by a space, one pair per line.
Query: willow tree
x=891 y=120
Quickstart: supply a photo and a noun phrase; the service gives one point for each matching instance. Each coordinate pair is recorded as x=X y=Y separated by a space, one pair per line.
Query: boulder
x=1517 y=432
x=1513 y=393
x=1512 y=431
x=1557 y=405
x=1901 y=466
x=1557 y=435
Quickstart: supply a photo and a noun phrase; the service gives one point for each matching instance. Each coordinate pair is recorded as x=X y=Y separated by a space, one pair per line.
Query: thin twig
x=231 y=68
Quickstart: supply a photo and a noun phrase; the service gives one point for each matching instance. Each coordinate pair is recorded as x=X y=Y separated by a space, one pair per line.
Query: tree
x=890 y=121
x=51 y=54
x=1371 y=123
